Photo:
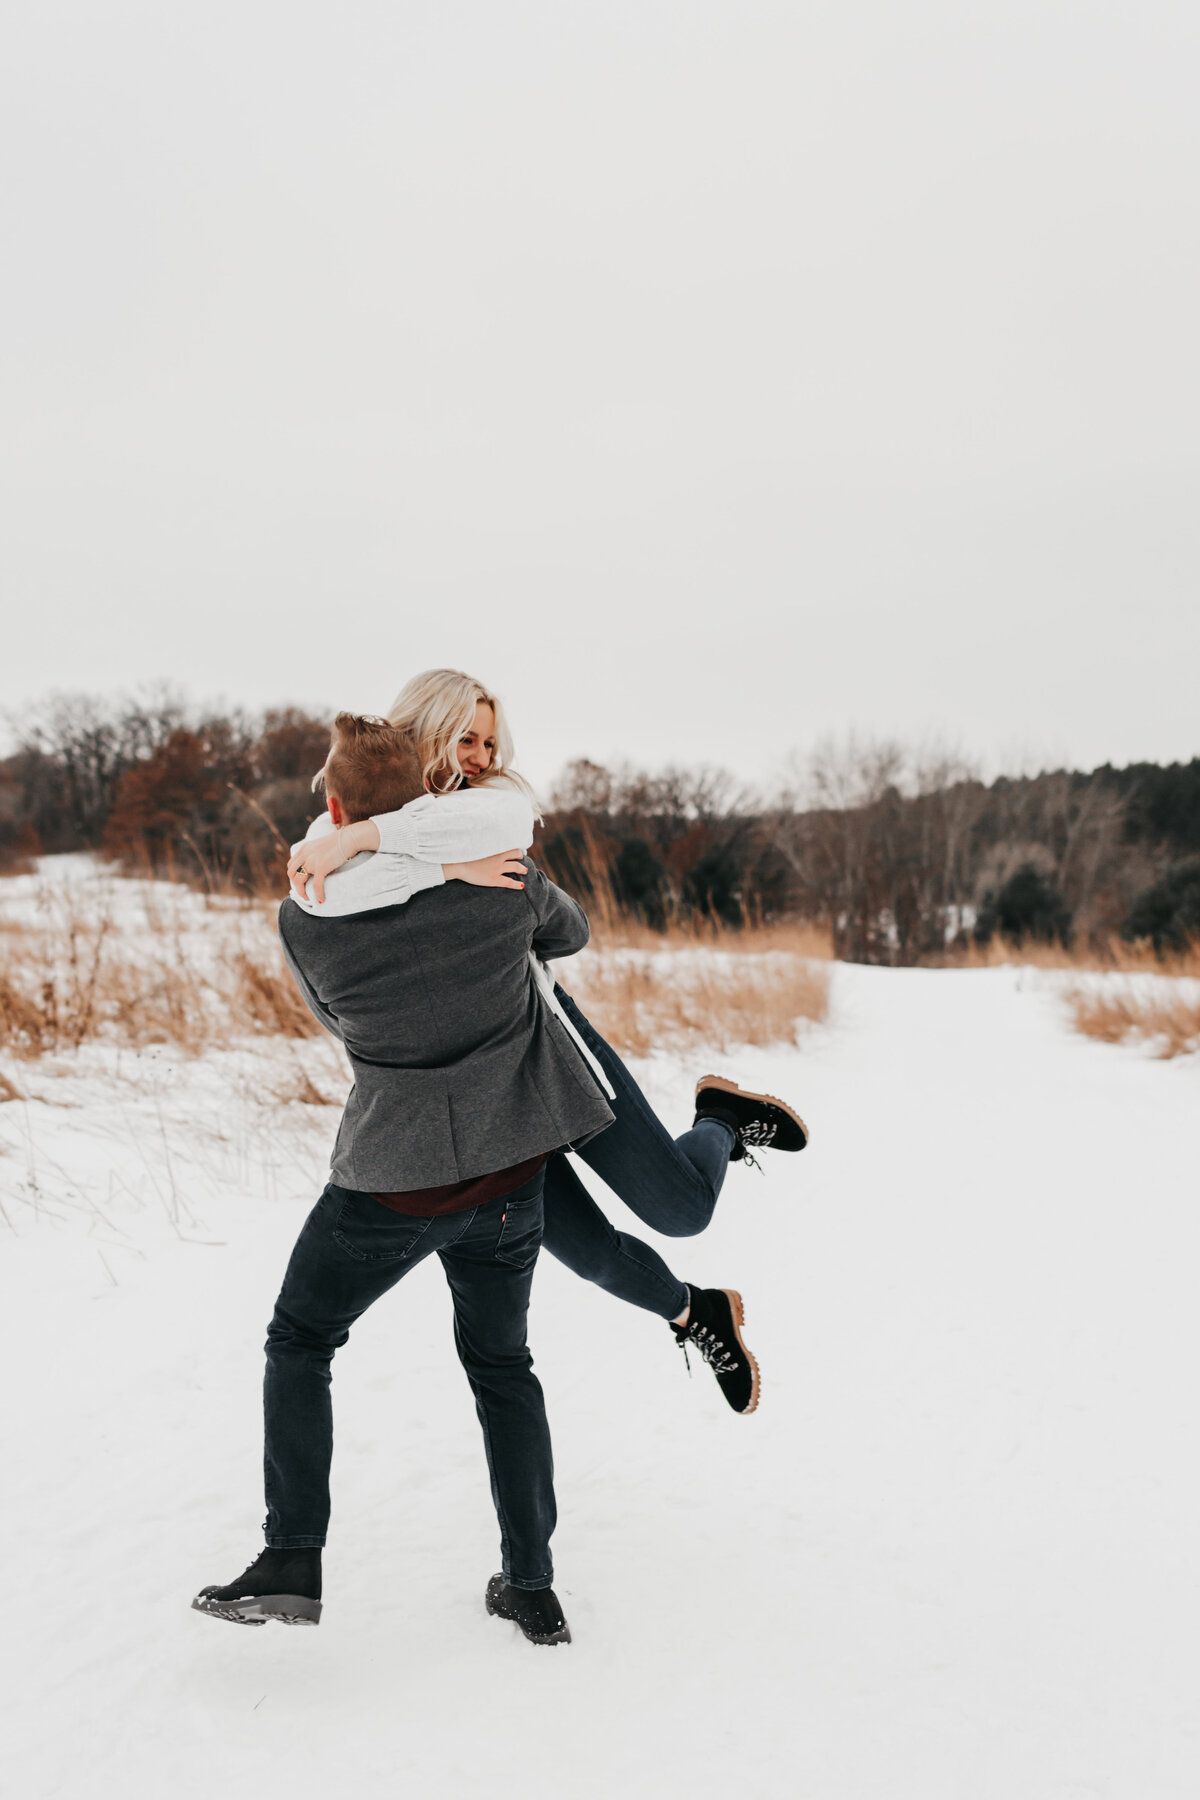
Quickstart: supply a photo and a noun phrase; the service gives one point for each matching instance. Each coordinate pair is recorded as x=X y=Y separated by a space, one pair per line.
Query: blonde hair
x=438 y=708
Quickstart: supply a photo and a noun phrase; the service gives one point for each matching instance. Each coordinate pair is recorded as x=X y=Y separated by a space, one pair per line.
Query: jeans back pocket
x=371 y=1232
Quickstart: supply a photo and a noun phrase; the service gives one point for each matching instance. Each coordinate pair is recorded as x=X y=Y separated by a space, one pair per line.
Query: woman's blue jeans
x=351 y=1250
x=670 y=1183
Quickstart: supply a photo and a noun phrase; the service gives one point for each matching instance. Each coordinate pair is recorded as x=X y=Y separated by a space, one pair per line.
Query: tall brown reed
x=641 y=1004
x=60 y=988
x=1113 y=954
x=1168 y=1022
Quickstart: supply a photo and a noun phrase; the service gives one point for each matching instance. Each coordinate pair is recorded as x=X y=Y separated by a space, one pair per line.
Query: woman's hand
x=503 y=870
x=319 y=857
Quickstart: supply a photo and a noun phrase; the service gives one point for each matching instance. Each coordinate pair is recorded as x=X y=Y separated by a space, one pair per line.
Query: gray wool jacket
x=460 y=1067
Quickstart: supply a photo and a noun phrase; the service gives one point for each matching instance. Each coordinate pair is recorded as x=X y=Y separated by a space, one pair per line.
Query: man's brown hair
x=371 y=767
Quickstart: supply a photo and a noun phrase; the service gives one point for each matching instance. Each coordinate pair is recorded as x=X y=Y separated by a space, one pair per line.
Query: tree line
x=905 y=857
x=213 y=798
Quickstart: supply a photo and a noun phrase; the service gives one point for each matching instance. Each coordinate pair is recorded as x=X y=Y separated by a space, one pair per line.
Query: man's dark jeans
x=351 y=1250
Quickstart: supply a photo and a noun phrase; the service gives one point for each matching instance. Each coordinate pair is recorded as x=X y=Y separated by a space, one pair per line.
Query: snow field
x=953 y=1553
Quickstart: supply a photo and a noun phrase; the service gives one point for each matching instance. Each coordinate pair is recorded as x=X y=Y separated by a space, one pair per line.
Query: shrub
x=713 y=887
x=1169 y=912
x=640 y=882
x=1027 y=906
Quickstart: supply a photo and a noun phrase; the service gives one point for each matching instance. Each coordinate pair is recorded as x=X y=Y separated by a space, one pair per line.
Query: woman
x=475 y=807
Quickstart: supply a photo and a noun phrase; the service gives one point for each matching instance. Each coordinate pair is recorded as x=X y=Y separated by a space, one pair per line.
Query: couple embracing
x=418 y=934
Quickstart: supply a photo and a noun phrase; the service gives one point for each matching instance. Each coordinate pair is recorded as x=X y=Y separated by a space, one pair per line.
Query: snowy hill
x=952 y=1554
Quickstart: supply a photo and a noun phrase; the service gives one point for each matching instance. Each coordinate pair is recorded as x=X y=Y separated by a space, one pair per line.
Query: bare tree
x=73 y=753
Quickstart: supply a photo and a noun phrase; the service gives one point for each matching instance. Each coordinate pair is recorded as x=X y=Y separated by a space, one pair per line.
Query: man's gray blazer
x=460 y=1067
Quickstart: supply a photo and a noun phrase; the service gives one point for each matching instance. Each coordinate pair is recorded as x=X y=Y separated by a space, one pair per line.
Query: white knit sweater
x=416 y=841
x=413 y=845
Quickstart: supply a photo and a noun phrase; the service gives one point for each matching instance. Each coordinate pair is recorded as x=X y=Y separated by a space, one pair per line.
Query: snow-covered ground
x=953 y=1556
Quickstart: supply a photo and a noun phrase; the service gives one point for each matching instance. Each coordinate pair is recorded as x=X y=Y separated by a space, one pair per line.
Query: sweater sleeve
x=372 y=879
x=459 y=827
x=414 y=843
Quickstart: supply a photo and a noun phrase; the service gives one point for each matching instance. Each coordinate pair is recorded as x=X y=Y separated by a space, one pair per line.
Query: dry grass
x=1171 y=1022
x=135 y=964
x=1114 y=956
x=76 y=980
x=60 y=991
x=699 y=980
x=48 y=1005
x=1138 y=1011
x=264 y=999
x=300 y=1090
x=641 y=1004
x=796 y=937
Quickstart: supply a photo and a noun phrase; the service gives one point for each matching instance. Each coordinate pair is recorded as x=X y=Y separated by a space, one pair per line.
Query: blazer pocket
x=389 y=1238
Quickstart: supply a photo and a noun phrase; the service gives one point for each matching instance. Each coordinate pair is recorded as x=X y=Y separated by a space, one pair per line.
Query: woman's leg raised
x=670 y=1183
x=707 y=1319
x=579 y=1235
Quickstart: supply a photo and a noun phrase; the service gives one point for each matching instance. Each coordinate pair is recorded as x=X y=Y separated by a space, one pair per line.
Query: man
x=462 y=1091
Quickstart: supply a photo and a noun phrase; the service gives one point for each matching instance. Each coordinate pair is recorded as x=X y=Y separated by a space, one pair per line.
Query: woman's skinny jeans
x=670 y=1183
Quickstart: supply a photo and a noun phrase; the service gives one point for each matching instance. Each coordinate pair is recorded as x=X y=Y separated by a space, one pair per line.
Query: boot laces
x=759 y=1134
x=712 y=1348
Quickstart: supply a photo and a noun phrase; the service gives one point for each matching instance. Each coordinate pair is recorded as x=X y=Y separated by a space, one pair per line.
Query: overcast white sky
x=706 y=377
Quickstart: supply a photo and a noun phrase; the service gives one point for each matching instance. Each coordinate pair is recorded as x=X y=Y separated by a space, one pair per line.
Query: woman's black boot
x=758 y=1121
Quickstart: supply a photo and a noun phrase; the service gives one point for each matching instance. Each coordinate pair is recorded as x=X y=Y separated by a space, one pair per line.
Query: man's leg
x=351 y=1250
x=490 y=1270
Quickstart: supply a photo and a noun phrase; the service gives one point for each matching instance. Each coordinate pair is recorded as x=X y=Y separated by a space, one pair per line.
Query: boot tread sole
x=739 y=1319
x=497 y=1611
x=731 y=1087
x=260 y=1609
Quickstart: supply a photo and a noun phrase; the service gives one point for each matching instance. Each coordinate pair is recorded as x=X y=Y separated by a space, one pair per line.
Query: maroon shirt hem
x=459 y=1196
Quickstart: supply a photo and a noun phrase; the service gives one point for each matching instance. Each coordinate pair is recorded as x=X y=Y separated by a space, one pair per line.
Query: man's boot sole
x=260 y=1609
x=731 y=1087
x=739 y=1319
x=498 y=1610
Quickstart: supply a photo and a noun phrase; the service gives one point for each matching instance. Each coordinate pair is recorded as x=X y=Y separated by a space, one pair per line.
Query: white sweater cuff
x=459 y=827
x=369 y=881
x=424 y=875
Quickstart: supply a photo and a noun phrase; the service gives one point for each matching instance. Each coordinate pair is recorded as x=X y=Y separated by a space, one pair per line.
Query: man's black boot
x=714 y=1328
x=279 y=1584
x=758 y=1121
x=535 y=1610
